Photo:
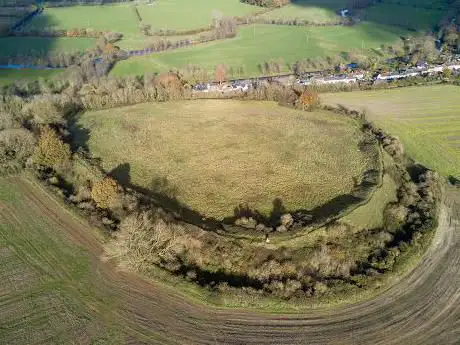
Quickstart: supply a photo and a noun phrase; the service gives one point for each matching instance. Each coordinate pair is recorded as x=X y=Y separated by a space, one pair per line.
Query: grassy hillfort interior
x=229 y=172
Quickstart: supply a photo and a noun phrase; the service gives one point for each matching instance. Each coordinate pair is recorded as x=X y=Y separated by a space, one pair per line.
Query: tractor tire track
x=422 y=308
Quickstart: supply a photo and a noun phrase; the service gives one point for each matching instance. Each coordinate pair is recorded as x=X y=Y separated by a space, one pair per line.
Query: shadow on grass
x=165 y=195
x=453 y=180
x=382 y=15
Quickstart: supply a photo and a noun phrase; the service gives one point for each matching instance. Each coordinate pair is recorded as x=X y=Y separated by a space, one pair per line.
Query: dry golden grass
x=214 y=155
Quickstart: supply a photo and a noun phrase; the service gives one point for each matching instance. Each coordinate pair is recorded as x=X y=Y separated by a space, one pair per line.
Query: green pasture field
x=404 y=16
x=14 y=46
x=301 y=11
x=118 y=17
x=216 y=155
x=49 y=294
x=257 y=44
x=9 y=76
x=426 y=119
x=186 y=14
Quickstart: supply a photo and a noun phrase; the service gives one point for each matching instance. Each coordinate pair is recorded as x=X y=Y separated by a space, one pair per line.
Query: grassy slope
x=186 y=14
x=426 y=119
x=215 y=155
x=259 y=43
x=12 y=46
x=370 y=215
x=49 y=294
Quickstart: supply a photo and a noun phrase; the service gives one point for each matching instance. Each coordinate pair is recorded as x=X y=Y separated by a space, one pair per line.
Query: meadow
x=256 y=44
x=14 y=46
x=185 y=14
x=120 y=18
x=164 y=14
x=426 y=119
x=213 y=156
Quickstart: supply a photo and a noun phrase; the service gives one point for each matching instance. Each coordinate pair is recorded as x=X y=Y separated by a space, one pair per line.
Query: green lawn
x=14 y=46
x=405 y=16
x=118 y=17
x=8 y=76
x=257 y=44
x=215 y=155
x=426 y=119
x=186 y=14
x=49 y=292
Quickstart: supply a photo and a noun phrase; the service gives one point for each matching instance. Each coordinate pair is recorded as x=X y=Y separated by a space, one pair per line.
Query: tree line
x=267 y=3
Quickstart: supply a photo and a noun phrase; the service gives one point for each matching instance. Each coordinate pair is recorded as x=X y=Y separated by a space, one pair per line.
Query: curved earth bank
x=423 y=308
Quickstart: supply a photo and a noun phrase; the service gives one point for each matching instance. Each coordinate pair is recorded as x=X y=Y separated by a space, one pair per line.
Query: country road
x=422 y=308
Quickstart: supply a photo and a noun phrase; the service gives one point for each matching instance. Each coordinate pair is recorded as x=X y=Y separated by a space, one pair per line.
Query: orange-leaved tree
x=221 y=72
x=51 y=151
x=105 y=192
x=309 y=100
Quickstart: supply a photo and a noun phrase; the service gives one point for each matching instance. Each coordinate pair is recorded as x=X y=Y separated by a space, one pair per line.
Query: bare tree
x=221 y=72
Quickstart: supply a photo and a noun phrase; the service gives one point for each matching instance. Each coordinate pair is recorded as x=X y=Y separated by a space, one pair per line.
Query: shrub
x=146 y=239
x=394 y=216
x=446 y=73
x=16 y=145
x=169 y=86
x=43 y=111
x=309 y=100
x=7 y=121
x=51 y=151
x=105 y=192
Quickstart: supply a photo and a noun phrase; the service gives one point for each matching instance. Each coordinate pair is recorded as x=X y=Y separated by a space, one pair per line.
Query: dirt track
x=423 y=308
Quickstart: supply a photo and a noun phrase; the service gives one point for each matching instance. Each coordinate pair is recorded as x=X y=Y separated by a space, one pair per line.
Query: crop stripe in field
x=32 y=251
